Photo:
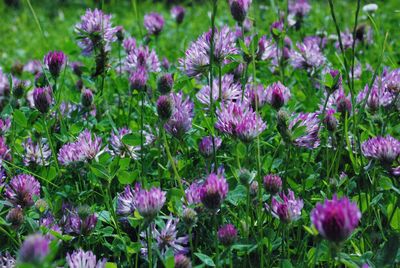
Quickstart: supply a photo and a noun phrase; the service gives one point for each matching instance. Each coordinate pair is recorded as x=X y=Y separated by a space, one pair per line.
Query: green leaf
x=125 y=177
x=205 y=259
x=241 y=150
x=19 y=118
x=286 y=264
x=387 y=255
x=238 y=194
x=111 y=265
x=385 y=183
x=132 y=139
x=395 y=222
x=99 y=171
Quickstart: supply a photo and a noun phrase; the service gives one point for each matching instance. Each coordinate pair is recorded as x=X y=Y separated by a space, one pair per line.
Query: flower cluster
x=22 y=189
x=78 y=221
x=310 y=136
x=180 y=121
x=36 y=153
x=287 y=208
x=308 y=57
x=229 y=89
x=213 y=191
x=154 y=23
x=385 y=149
x=149 y=202
x=80 y=258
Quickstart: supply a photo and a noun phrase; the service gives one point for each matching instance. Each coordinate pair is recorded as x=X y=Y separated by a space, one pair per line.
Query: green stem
x=216 y=240
x=53 y=151
x=141 y=132
x=149 y=249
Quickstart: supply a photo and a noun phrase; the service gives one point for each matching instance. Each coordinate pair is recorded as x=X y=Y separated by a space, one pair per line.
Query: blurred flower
x=165 y=63
x=34 y=249
x=165 y=83
x=189 y=216
x=55 y=61
x=240 y=121
x=193 y=193
x=164 y=107
x=336 y=219
x=6 y=260
x=253 y=93
x=370 y=8
x=330 y=120
x=149 y=202
x=253 y=188
x=77 y=67
x=310 y=136
x=178 y=13
x=196 y=60
x=4 y=84
x=321 y=41
x=230 y=90
x=94 y=29
x=347 y=40
x=43 y=98
x=276 y=29
x=181 y=261
x=287 y=208
x=126 y=200
x=87 y=97
x=33 y=67
x=168 y=238
x=378 y=97
x=272 y=183
x=385 y=149
x=396 y=171
x=181 y=120
x=239 y=9
x=138 y=79
x=154 y=23
x=5 y=152
x=227 y=234
x=391 y=81
x=15 y=216
x=37 y=153
x=21 y=189
x=84 y=259
x=308 y=57
x=129 y=44
x=277 y=95
x=299 y=8
x=206 y=145
x=142 y=57
x=214 y=191
x=118 y=148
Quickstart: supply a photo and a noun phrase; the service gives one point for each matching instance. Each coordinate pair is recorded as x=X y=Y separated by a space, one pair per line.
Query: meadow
x=238 y=133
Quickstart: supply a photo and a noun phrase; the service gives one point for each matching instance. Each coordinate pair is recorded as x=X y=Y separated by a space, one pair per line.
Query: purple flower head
x=33 y=67
x=336 y=82
x=395 y=171
x=54 y=61
x=154 y=23
x=168 y=238
x=336 y=219
x=196 y=60
x=385 y=149
x=4 y=84
x=214 y=191
x=43 y=98
x=308 y=57
x=89 y=144
x=142 y=57
x=164 y=107
x=129 y=44
x=87 y=97
x=391 y=81
x=21 y=190
x=78 y=221
x=239 y=120
x=165 y=63
x=34 y=249
x=165 y=83
x=36 y=153
x=239 y=9
x=277 y=95
x=95 y=29
x=378 y=97
x=227 y=234
x=276 y=28
x=230 y=91
x=181 y=120
x=77 y=68
x=150 y=202
x=206 y=145
x=116 y=146
x=6 y=260
x=84 y=259
x=330 y=120
x=299 y=8
x=178 y=13
x=126 y=200
x=255 y=93
x=193 y=193
x=181 y=261
x=310 y=138
x=15 y=217
x=48 y=221
x=288 y=208
x=4 y=150
x=273 y=183
x=138 y=79
x=347 y=40
x=321 y=41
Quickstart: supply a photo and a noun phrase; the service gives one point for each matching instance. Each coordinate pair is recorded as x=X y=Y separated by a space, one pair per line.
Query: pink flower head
x=385 y=149
x=227 y=234
x=278 y=95
x=214 y=191
x=154 y=23
x=21 y=190
x=288 y=208
x=149 y=202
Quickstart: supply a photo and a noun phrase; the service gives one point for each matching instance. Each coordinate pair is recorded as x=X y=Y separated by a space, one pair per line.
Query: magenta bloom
x=181 y=261
x=168 y=238
x=43 y=98
x=21 y=190
x=5 y=125
x=255 y=93
x=347 y=40
x=180 y=121
x=336 y=219
x=34 y=249
x=95 y=29
x=78 y=221
x=273 y=183
x=178 y=13
x=239 y=9
x=230 y=91
x=385 y=149
x=310 y=139
x=5 y=152
x=379 y=96
x=277 y=95
x=227 y=234
x=239 y=120
x=80 y=259
x=126 y=200
x=154 y=23
x=150 y=202
x=138 y=79
x=206 y=145
x=164 y=107
x=129 y=44
x=193 y=193
x=54 y=61
x=214 y=191
x=299 y=8
x=142 y=57
x=330 y=120
x=391 y=81
x=288 y=208
x=308 y=57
